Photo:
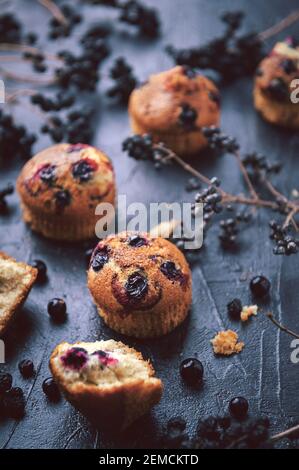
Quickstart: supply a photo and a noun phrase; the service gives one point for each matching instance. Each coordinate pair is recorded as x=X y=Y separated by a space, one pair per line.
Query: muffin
x=173 y=106
x=60 y=188
x=141 y=285
x=272 y=90
x=107 y=381
x=16 y=281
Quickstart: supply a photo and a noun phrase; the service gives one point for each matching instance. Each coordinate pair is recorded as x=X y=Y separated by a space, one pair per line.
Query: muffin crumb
x=226 y=343
x=248 y=311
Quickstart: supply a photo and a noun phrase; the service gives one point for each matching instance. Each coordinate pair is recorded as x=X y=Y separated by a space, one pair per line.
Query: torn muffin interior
x=102 y=363
x=15 y=280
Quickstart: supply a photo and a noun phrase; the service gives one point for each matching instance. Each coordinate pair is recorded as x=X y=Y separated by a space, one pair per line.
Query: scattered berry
x=14 y=140
x=41 y=270
x=234 y=309
x=238 y=407
x=5 y=383
x=125 y=81
x=51 y=390
x=260 y=286
x=57 y=310
x=191 y=371
x=14 y=403
x=26 y=368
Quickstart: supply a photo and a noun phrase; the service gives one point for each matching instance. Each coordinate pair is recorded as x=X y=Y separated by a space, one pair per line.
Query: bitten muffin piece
x=16 y=281
x=107 y=381
x=141 y=285
x=272 y=91
x=173 y=106
x=60 y=188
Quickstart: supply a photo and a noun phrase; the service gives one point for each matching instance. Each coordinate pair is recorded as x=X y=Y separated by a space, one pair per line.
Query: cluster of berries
x=230 y=56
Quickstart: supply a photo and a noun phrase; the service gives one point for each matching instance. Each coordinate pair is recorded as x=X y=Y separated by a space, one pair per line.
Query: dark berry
x=188 y=116
x=57 y=309
x=62 y=199
x=47 y=174
x=75 y=358
x=191 y=371
x=5 y=382
x=51 y=389
x=99 y=258
x=105 y=358
x=26 y=368
x=238 y=407
x=278 y=89
x=83 y=170
x=234 y=309
x=41 y=270
x=175 y=433
x=289 y=66
x=14 y=403
x=137 y=241
x=170 y=270
x=136 y=286
x=260 y=286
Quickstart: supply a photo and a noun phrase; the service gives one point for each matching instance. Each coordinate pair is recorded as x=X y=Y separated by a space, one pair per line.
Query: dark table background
x=263 y=371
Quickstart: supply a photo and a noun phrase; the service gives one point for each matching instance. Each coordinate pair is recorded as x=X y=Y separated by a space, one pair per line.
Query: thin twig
x=25 y=79
x=284 y=434
x=13 y=97
x=246 y=176
x=7 y=47
x=280 y=26
x=54 y=10
x=282 y=327
x=290 y=217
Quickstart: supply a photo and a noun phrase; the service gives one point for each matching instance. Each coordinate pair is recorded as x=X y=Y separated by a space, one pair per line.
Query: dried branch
x=281 y=327
x=54 y=10
x=280 y=26
x=284 y=434
x=25 y=78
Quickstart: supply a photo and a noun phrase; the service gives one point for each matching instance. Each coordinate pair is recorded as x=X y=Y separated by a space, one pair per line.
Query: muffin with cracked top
x=60 y=188
x=273 y=85
x=173 y=106
x=107 y=381
x=141 y=285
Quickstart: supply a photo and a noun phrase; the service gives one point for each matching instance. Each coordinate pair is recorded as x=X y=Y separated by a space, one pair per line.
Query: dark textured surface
x=262 y=372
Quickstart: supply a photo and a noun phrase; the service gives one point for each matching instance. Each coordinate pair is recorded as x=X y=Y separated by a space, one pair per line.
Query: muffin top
x=276 y=72
x=66 y=179
x=132 y=272
x=102 y=363
x=177 y=100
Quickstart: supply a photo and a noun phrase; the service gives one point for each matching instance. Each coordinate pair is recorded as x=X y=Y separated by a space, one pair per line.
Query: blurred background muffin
x=172 y=106
x=60 y=188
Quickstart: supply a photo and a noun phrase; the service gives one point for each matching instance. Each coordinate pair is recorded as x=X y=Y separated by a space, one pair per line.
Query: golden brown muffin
x=16 y=281
x=272 y=90
x=107 y=381
x=60 y=188
x=141 y=285
x=172 y=106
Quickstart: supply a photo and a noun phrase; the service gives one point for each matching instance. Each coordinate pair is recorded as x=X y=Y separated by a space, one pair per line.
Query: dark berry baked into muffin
x=60 y=188
x=107 y=381
x=173 y=106
x=141 y=285
x=272 y=91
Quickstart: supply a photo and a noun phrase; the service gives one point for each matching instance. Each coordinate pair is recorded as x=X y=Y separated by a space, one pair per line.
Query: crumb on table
x=226 y=343
x=248 y=311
